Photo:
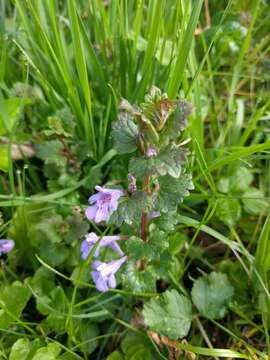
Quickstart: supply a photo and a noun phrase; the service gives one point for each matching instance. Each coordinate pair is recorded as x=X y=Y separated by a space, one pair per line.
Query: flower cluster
x=102 y=204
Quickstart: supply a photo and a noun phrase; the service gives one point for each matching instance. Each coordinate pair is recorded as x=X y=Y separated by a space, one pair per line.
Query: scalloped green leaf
x=168 y=162
x=20 y=350
x=178 y=120
x=169 y=315
x=139 y=281
x=130 y=208
x=13 y=299
x=228 y=211
x=254 y=201
x=135 y=248
x=51 y=152
x=172 y=191
x=211 y=295
x=125 y=134
x=49 y=352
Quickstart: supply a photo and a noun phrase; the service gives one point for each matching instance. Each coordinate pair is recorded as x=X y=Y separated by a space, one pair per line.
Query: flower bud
x=131 y=183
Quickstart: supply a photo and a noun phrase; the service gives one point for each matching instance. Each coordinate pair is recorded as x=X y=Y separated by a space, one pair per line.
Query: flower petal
x=102 y=214
x=85 y=249
x=112 y=281
x=95 y=275
x=104 y=274
x=91 y=238
x=96 y=264
x=106 y=240
x=153 y=214
x=116 y=194
x=115 y=247
x=112 y=267
x=87 y=245
x=99 y=188
x=94 y=198
x=6 y=246
x=113 y=204
x=100 y=283
x=90 y=212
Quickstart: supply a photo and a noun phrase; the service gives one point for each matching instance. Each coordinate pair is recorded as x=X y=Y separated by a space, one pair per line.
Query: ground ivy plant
x=144 y=215
x=145 y=211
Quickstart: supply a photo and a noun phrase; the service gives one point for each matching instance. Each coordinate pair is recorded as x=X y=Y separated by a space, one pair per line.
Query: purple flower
x=103 y=204
x=92 y=238
x=104 y=273
x=6 y=246
x=151 y=152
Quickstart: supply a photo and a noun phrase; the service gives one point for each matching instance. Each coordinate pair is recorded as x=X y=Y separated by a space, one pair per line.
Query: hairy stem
x=144 y=218
x=144 y=223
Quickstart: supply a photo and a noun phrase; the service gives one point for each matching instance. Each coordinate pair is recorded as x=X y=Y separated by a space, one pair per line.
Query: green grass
x=86 y=56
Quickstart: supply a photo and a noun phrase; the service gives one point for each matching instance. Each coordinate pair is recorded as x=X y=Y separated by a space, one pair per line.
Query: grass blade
x=262 y=256
x=82 y=72
x=177 y=74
